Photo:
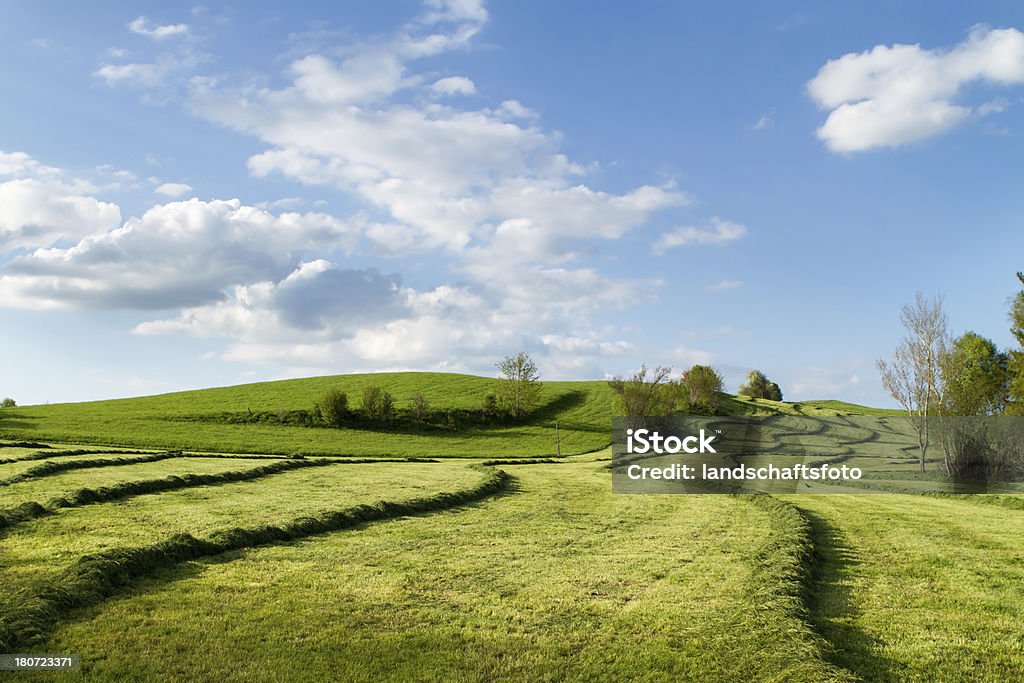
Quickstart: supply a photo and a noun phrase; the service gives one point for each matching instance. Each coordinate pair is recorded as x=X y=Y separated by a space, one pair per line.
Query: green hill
x=262 y=418
x=247 y=419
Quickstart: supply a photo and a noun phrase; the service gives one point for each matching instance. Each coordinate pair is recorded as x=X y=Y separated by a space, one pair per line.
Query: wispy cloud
x=173 y=189
x=454 y=85
x=143 y=27
x=718 y=232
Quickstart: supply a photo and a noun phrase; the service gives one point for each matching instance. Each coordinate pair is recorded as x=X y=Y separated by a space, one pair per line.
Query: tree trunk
x=922 y=445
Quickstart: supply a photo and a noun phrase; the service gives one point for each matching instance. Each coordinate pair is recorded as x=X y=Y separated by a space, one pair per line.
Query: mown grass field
x=256 y=568
x=553 y=578
x=920 y=588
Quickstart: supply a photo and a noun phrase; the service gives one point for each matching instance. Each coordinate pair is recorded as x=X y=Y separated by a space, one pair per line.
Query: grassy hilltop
x=214 y=419
x=244 y=419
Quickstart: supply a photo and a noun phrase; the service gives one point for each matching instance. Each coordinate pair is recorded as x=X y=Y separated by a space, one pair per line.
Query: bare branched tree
x=914 y=376
x=644 y=393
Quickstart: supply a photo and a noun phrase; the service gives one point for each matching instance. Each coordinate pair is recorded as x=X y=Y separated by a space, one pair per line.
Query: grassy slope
x=582 y=410
x=915 y=588
x=557 y=580
x=744 y=405
x=844 y=407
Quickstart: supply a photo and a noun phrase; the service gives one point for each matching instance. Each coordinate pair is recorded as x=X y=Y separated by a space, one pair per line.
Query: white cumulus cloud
x=39 y=205
x=481 y=193
x=894 y=95
x=178 y=254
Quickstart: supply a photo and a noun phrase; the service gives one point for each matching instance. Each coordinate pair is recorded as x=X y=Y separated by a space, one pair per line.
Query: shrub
x=701 y=388
x=378 y=404
x=489 y=406
x=333 y=407
x=759 y=386
x=419 y=407
x=645 y=393
x=8 y=403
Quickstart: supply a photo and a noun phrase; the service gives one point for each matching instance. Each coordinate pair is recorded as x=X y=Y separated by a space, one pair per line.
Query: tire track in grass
x=55 y=467
x=47 y=455
x=96 y=577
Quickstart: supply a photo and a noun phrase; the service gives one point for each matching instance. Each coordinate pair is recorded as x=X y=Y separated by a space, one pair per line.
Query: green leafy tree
x=759 y=386
x=489 y=405
x=701 y=388
x=519 y=388
x=975 y=376
x=1015 y=361
x=8 y=403
x=332 y=407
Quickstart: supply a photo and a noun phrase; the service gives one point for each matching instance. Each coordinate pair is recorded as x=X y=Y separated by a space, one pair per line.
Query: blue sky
x=198 y=196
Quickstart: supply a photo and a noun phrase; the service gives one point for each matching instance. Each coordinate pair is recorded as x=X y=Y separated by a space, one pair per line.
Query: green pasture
x=555 y=579
x=920 y=588
x=263 y=566
x=31 y=554
x=186 y=419
x=202 y=420
x=552 y=578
